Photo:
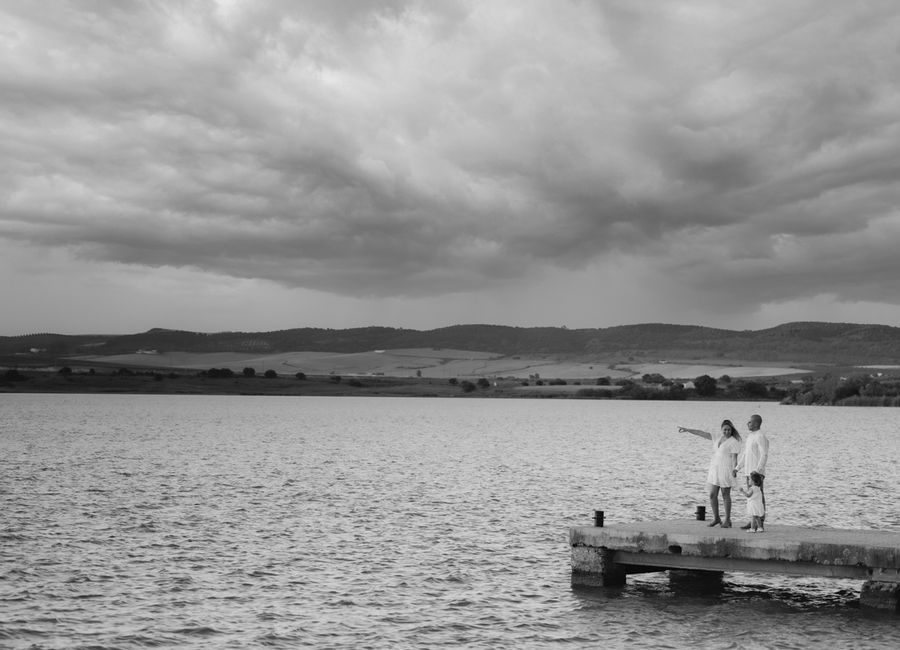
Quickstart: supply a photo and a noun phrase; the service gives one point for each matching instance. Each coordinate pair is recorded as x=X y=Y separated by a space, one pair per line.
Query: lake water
x=136 y=521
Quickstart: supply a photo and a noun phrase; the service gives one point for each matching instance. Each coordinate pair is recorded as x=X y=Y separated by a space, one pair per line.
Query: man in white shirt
x=756 y=453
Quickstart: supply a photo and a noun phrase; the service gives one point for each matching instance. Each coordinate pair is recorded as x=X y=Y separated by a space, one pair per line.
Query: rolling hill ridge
x=798 y=342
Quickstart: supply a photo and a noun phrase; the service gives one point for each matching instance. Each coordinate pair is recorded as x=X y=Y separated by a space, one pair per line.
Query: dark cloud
x=413 y=148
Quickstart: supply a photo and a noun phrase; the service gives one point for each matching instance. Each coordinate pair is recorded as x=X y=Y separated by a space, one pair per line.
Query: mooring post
x=598 y=518
x=701 y=513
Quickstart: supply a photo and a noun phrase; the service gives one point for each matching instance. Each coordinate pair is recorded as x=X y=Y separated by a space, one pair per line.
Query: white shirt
x=756 y=453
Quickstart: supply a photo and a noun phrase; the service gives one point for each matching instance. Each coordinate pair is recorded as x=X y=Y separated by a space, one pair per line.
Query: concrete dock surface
x=604 y=555
x=827 y=546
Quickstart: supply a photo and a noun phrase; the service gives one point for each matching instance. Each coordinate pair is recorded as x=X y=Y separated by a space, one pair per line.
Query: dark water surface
x=140 y=521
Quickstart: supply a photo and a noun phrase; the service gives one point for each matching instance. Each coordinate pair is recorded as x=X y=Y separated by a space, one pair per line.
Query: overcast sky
x=267 y=165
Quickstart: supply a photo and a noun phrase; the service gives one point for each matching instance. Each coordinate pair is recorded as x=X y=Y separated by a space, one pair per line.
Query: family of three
x=733 y=455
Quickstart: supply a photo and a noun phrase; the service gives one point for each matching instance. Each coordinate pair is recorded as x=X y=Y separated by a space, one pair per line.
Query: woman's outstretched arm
x=696 y=432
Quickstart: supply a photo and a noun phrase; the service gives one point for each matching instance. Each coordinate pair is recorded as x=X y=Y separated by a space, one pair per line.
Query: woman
x=721 y=476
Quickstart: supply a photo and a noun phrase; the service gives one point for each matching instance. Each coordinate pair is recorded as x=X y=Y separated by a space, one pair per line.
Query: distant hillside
x=809 y=342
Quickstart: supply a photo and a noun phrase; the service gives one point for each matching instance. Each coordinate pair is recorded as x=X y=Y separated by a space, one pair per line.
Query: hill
x=800 y=342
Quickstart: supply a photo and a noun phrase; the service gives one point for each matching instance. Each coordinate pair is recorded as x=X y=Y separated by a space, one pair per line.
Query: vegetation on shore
x=861 y=389
x=474 y=361
x=214 y=382
x=856 y=390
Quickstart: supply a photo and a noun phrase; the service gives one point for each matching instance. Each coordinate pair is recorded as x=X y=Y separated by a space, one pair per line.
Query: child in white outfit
x=755 y=508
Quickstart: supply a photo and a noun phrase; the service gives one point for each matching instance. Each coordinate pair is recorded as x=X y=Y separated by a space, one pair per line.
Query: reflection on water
x=333 y=522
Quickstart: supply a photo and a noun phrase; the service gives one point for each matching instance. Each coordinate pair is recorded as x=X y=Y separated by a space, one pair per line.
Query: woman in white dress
x=726 y=447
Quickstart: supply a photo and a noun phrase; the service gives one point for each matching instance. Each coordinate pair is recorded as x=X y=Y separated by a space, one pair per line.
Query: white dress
x=721 y=464
x=755 y=507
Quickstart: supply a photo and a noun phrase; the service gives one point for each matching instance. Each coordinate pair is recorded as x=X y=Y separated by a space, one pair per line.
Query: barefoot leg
x=714 y=504
x=726 y=498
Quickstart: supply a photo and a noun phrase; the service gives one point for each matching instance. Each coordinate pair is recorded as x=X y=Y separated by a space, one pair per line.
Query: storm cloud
x=737 y=154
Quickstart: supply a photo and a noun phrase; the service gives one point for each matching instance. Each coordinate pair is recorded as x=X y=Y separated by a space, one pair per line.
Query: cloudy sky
x=265 y=165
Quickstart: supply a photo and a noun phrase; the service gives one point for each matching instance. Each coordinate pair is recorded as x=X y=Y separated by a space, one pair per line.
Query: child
x=755 y=508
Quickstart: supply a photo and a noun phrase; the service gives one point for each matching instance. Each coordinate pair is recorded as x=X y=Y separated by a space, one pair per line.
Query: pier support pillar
x=880 y=595
x=592 y=566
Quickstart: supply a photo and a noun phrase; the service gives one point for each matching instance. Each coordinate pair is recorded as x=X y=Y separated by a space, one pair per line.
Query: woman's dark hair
x=734 y=431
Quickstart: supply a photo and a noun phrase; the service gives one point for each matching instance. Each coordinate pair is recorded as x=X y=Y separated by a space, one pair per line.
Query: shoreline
x=175 y=383
x=841 y=386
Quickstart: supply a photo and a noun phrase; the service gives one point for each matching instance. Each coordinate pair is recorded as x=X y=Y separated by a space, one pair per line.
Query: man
x=756 y=453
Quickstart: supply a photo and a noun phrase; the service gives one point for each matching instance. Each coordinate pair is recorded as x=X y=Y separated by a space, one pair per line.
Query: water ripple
x=163 y=521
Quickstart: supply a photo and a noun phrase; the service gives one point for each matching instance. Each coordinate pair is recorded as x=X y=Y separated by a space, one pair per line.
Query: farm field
x=433 y=363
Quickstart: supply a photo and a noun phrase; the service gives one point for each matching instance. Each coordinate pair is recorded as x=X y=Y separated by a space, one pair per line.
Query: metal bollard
x=598 y=518
x=701 y=513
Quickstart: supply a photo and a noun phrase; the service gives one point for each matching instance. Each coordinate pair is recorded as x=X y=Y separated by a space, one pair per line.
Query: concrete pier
x=604 y=556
